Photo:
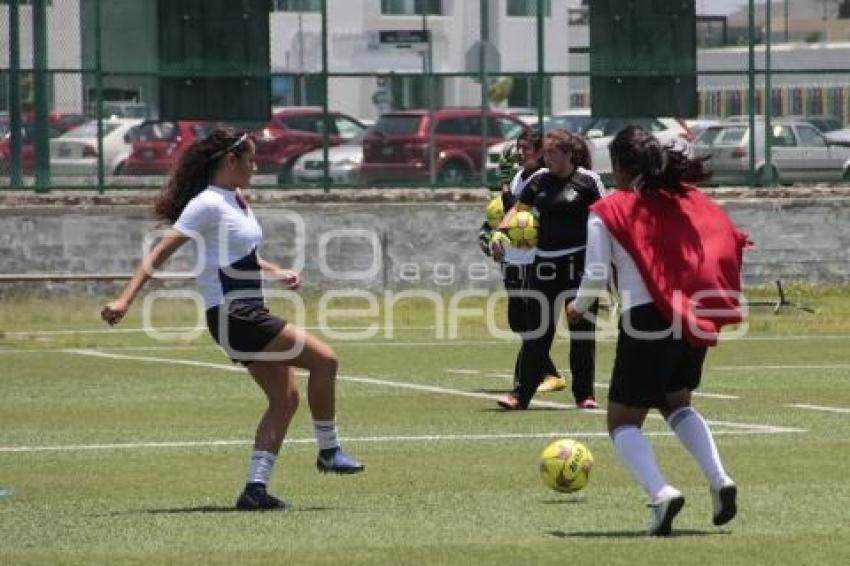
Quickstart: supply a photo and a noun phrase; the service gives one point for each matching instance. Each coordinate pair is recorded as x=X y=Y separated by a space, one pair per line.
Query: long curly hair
x=195 y=169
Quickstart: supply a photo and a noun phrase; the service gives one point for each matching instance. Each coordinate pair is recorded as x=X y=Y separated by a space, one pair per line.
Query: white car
x=74 y=153
x=839 y=137
x=344 y=164
x=603 y=130
x=599 y=132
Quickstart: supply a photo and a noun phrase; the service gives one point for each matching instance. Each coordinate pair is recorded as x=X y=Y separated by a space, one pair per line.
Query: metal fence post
x=98 y=85
x=325 y=117
x=768 y=176
x=751 y=97
x=15 y=93
x=541 y=67
x=484 y=38
x=42 y=126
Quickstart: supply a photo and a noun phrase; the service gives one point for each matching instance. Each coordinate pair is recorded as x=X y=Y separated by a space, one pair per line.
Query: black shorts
x=646 y=369
x=250 y=328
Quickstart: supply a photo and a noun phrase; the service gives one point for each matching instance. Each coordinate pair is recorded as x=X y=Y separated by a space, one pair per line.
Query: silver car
x=344 y=163
x=799 y=153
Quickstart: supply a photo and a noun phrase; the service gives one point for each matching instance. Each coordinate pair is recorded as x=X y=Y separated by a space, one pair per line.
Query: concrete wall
x=398 y=246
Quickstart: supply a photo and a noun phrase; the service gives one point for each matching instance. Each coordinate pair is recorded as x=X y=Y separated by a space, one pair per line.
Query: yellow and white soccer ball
x=565 y=465
x=523 y=229
x=495 y=211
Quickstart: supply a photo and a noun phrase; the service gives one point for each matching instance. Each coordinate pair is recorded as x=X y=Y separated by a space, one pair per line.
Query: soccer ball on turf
x=565 y=465
x=495 y=212
x=522 y=230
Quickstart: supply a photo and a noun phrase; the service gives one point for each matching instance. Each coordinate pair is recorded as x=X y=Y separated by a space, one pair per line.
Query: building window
x=844 y=10
x=297 y=5
x=528 y=8
x=412 y=7
x=414 y=92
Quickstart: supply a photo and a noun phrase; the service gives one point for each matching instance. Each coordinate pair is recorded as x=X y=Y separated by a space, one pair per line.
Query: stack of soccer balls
x=522 y=230
x=565 y=465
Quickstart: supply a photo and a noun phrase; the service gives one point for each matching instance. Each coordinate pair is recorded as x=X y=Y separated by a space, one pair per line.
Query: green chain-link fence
x=406 y=92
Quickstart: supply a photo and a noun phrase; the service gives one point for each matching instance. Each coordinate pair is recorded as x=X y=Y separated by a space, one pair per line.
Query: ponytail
x=655 y=168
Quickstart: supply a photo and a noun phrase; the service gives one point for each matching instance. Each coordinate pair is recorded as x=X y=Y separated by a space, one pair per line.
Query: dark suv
x=397 y=148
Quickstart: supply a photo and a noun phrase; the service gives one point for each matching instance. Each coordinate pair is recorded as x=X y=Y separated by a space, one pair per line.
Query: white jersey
x=514 y=255
x=603 y=252
x=228 y=238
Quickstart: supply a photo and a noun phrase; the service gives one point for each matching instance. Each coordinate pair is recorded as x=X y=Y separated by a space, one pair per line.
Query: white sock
x=636 y=452
x=694 y=434
x=326 y=434
x=260 y=469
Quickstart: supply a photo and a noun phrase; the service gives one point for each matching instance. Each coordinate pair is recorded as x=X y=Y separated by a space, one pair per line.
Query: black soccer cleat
x=256 y=498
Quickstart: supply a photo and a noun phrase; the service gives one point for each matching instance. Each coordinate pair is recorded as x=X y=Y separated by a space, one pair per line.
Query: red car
x=158 y=145
x=398 y=147
x=27 y=149
x=294 y=131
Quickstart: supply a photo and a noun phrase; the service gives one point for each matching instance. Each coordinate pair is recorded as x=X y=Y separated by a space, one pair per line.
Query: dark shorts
x=249 y=329
x=646 y=369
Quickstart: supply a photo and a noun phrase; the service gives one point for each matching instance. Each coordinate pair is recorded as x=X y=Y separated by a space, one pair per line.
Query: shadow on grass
x=565 y=501
x=531 y=409
x=634 y=534
x=203 y=509
x=229 y=509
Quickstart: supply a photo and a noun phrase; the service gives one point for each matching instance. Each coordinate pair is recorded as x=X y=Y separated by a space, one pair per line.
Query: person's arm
x=290 y=279
x=597 y=270
x=114 y=311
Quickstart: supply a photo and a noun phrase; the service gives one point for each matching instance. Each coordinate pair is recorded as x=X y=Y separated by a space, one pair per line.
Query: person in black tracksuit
x=562 y=197
x=516 y=264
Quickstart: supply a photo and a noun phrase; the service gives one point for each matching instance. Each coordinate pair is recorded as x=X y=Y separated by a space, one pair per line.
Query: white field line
x=66 y=332
x=71 y=331
x=778 y=367
x=336 y=344
x=602 y=385
x=695 y=393
x=841 y=410
x=364 y=439
x=416 y=387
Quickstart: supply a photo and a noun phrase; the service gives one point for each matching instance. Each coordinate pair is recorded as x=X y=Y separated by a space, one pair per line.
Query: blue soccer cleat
x=337 y=461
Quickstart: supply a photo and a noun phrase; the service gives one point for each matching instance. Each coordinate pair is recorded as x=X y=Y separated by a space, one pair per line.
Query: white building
x=129 y=45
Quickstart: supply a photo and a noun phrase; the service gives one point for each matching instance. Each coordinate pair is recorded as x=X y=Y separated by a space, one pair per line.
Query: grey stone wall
x=384 y=246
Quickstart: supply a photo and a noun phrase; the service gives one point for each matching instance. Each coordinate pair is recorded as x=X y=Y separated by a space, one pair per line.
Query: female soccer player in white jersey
x=203 y=199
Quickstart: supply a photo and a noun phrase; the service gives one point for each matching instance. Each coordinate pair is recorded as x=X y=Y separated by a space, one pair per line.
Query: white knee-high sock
x=636 y=452
x=694 y=434
x=260 y=469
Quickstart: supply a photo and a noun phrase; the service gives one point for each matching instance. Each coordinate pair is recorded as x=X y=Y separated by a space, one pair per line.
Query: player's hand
x=507 y=164
x=573 y=314
x=113 y=312
x=497 y=245
x=288 y=278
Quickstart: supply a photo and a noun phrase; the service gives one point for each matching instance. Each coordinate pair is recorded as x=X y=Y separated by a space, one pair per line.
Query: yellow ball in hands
x=495 y=211
x=523 y=230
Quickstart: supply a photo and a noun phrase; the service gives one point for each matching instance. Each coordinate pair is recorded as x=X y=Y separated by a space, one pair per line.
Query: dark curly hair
x=535 y=140
x=639 y=153
x=195 y=169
